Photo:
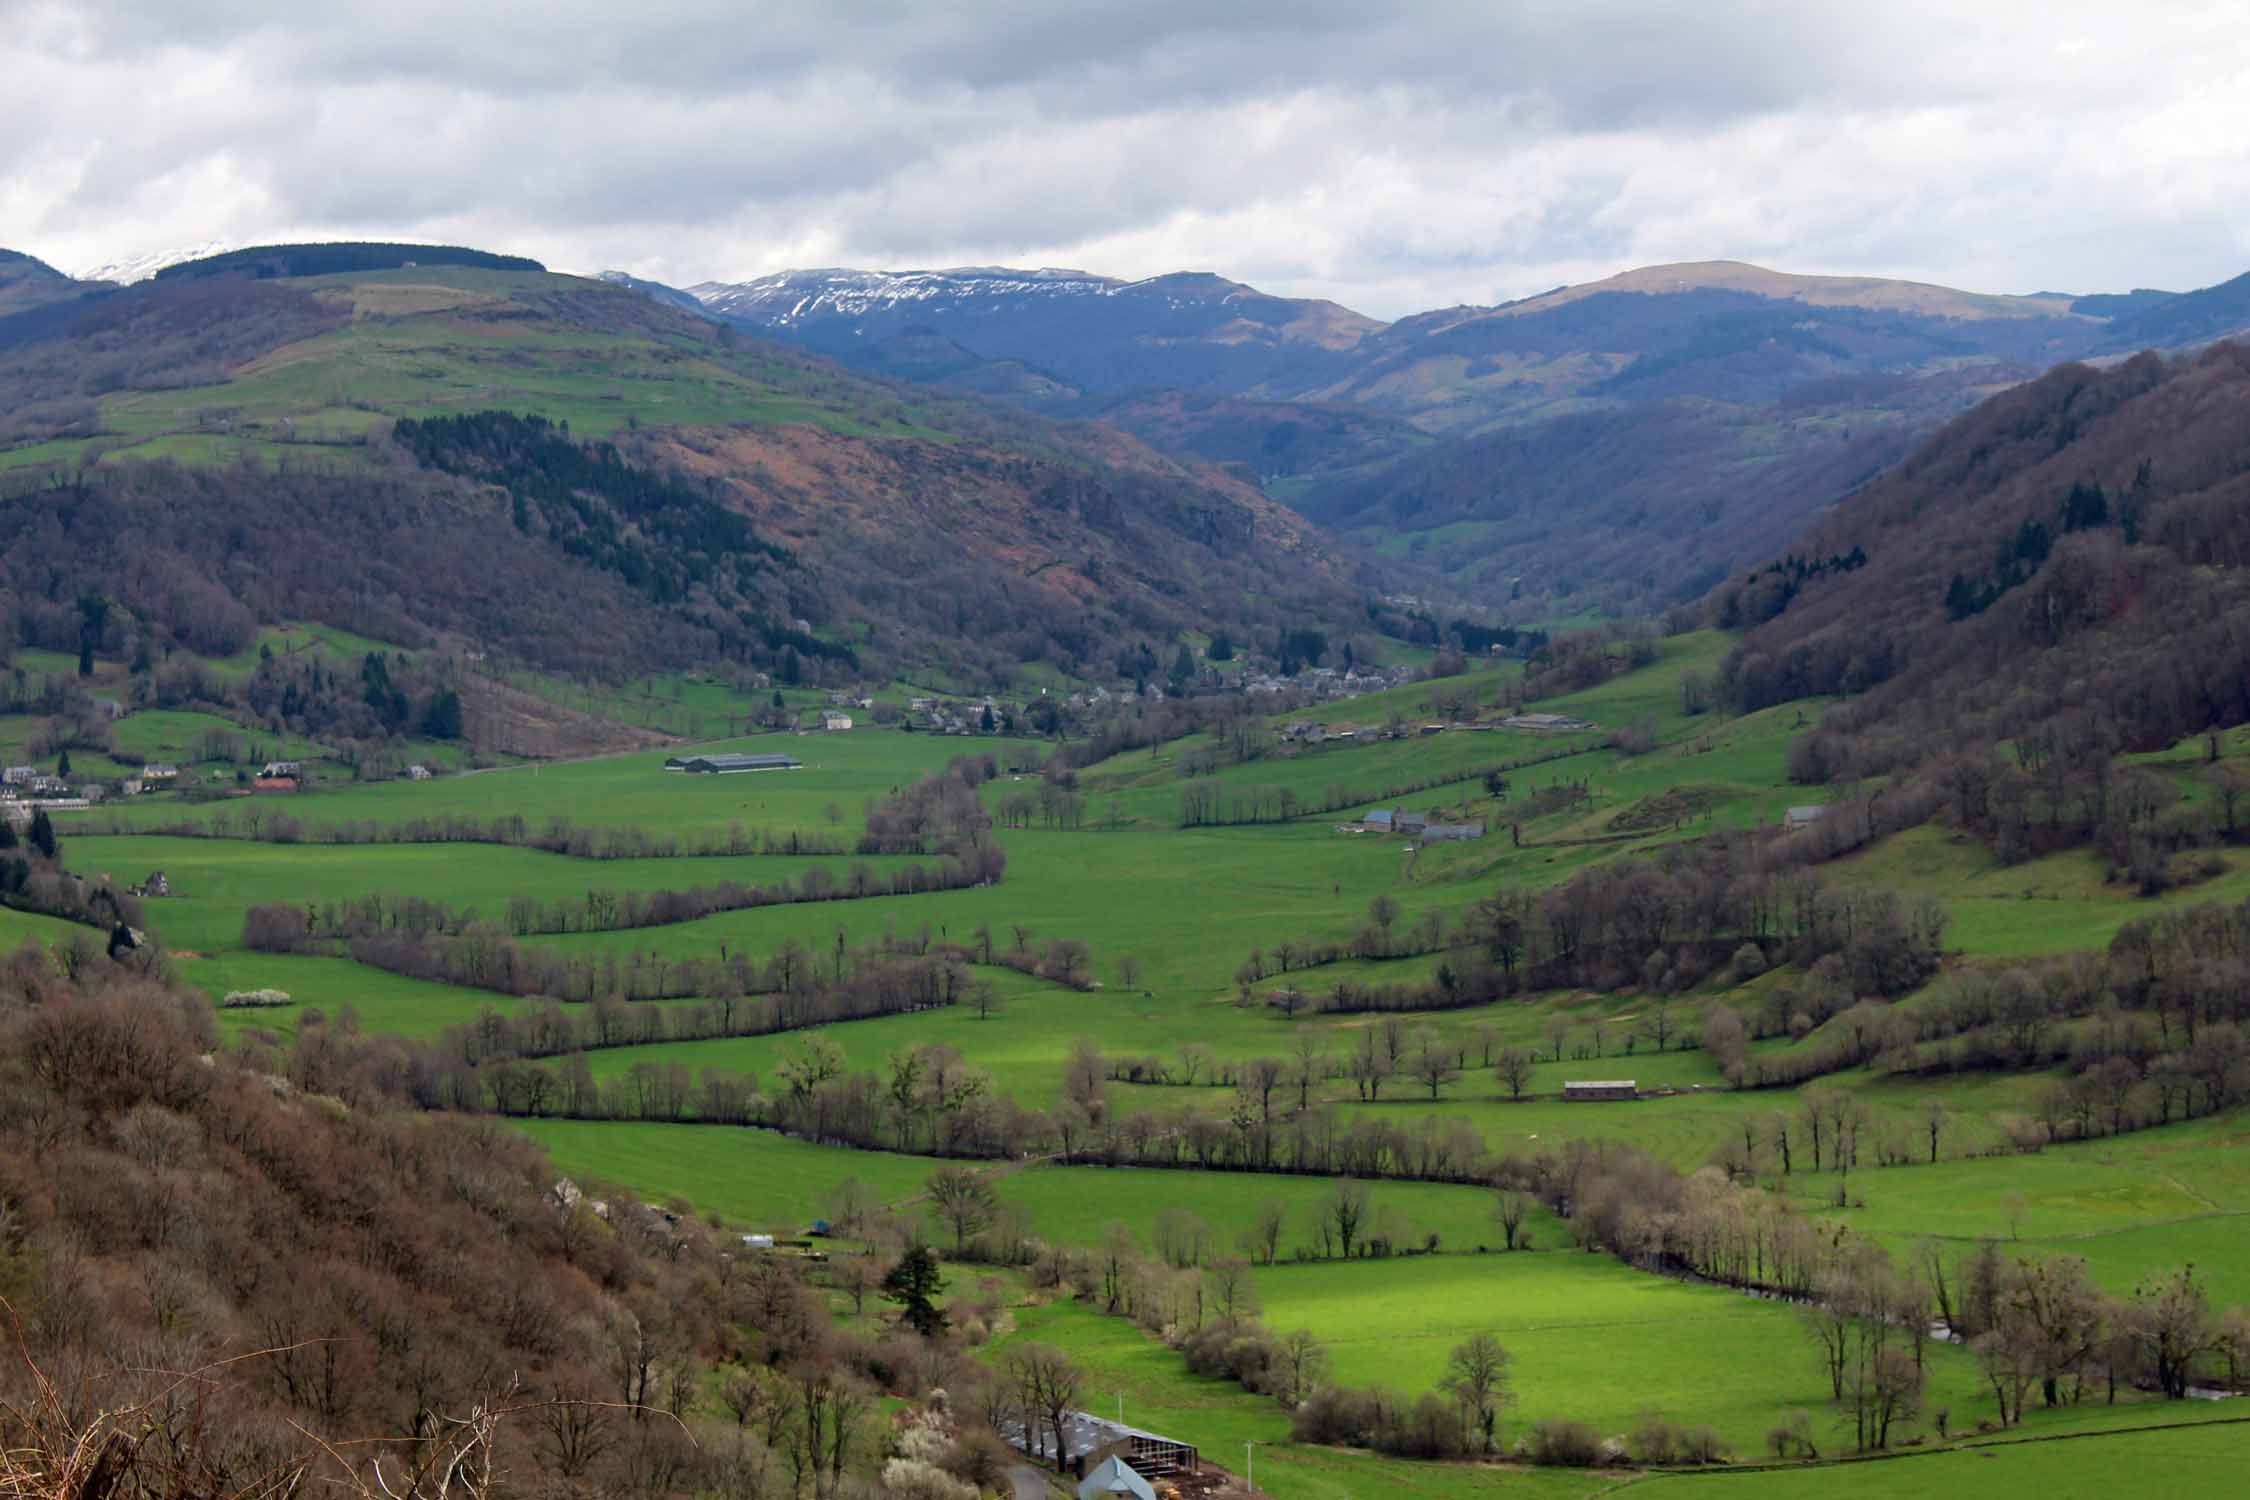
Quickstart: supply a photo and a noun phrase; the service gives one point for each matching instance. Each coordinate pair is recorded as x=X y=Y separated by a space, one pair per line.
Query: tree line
x=1667 y=922
x=557 y=835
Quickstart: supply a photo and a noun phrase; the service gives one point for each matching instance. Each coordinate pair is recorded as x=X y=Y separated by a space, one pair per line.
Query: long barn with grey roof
x=730 y=765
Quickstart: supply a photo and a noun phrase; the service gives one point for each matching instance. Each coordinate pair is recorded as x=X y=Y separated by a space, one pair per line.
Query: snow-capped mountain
x=1190 y=330
x=141 y=267
x=669 y=296
x=792 y=298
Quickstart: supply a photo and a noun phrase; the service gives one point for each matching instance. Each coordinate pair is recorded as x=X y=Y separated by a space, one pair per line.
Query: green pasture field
x=2132 y=1206
x=1189 y=904
x=1122 y=1363
x=2055 y=904
x=2200 y=1459
x=695 y=708
x=1573 y=1322
x=171 y=734
x=217 y=880
x=1078 y=1206
x=1145 y=785
x=754 y=1177
x=20 y=927
x=385 y=1003
x=635 y=791
x=767 y=1180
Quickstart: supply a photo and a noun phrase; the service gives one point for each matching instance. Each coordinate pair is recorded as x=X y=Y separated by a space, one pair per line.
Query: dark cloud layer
x=1392 y=157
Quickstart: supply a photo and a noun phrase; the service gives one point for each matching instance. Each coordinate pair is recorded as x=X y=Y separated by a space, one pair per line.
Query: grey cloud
x=1392 y=157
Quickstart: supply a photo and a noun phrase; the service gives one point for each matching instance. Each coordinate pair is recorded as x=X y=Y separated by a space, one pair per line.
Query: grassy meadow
x=1591 y=1338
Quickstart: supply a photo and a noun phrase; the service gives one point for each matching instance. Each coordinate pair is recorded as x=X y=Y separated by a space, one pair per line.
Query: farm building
x=274 y=785
x=730 y=765
x=1544 y=721
x=1115 y=1477
x=831 y=719
x=1378 y=821
x=276 y=770
x=1802 y=817
x=1452 y=833
x=1600 y=1088
x=159 y=770
x=1089 y=1441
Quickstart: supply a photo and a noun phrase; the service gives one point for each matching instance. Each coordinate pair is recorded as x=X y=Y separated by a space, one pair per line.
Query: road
x=1030 y=1483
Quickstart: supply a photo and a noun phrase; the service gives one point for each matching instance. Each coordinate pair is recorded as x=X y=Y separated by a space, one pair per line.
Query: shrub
x=1340 y=1416
x=1701 y=1444
x=1430 y=1428
x=1246 y=1353
x=1562 y=1443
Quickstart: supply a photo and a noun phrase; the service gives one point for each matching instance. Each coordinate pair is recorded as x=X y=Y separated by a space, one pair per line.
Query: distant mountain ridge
x=1098 y=334
x=27 y=282
x=1614 y=443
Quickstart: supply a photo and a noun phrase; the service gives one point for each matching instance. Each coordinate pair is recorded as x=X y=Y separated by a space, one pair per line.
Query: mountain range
x=1618 y=444
x=1622 y=445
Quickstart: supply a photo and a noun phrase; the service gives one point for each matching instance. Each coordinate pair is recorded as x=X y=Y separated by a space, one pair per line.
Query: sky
x=1392 y=157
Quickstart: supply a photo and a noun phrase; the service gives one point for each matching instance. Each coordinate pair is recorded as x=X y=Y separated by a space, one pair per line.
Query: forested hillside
x=586 y=482
x=2057 y=569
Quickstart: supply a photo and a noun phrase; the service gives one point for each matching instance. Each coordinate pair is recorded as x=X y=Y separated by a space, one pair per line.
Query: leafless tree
x=1346 y=1209
x=1509 y=1211
x=964 y=1200
x=1476 y=1373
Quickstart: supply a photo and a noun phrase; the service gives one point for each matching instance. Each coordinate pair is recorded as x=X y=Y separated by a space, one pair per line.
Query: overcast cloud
x=1393 y=158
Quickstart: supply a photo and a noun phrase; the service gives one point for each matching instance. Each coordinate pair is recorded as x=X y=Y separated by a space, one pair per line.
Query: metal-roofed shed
x=728 y=765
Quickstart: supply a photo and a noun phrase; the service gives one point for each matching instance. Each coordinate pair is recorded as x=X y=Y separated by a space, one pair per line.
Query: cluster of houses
x=1327 y=682
x=1306 y=732
x=30 y=781
x=25 y=790
x=966 y=716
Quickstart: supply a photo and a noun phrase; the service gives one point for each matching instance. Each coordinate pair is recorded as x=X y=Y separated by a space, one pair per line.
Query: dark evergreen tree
x=914 y=1284
x=43 y=835
x=442 y=720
